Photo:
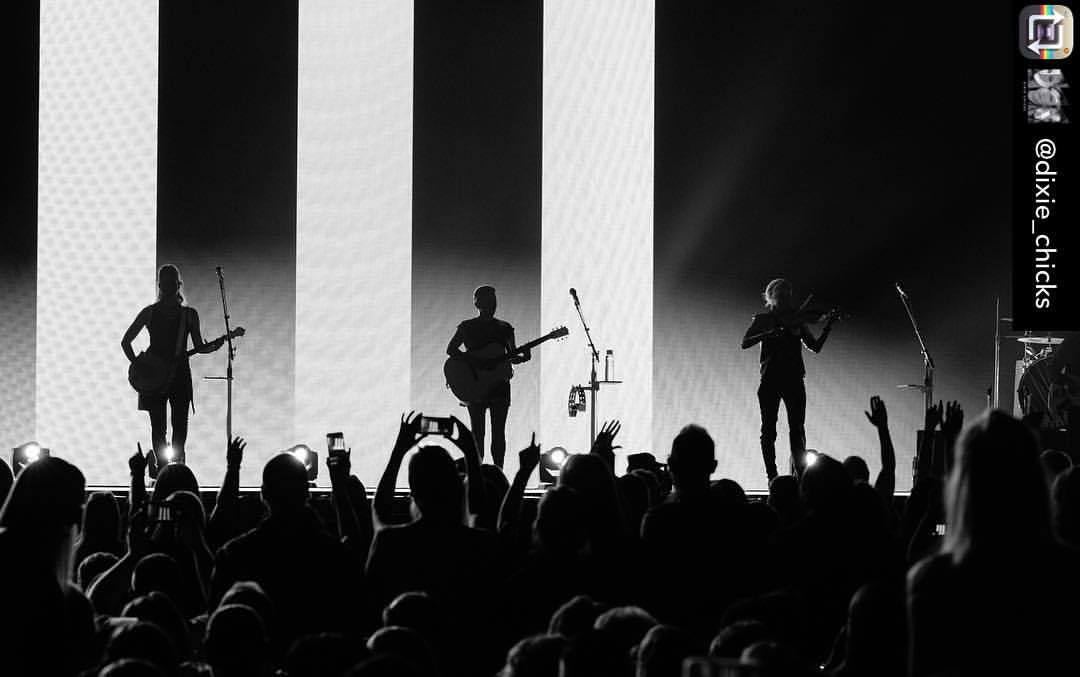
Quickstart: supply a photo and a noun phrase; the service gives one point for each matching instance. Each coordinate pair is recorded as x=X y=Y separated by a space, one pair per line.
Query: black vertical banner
x=1046 y=187
x=18 y=243
x=227 y=197
x=476 y=185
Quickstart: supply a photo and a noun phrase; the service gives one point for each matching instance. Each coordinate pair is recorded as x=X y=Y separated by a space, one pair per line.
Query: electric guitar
x=474 y=377
x=150 y=374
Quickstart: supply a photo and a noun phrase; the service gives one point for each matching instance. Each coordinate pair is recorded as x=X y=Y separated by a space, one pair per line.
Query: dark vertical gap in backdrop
x=476 y=183
x=227 y=194
x=19 y=37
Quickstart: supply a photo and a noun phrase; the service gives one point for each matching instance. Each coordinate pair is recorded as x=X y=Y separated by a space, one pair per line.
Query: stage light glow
x=308 y=457
x=551 y=464
x=169 y=454
x=25 y=454
x=811 y=458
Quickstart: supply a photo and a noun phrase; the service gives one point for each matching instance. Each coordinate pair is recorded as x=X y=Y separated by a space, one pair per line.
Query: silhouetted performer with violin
x=164 y=366
x=782 y=331
x=486 y=339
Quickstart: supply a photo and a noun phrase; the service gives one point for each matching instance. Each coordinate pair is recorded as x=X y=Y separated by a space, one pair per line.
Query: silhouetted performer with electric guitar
x=782 y=331
x=161 y=375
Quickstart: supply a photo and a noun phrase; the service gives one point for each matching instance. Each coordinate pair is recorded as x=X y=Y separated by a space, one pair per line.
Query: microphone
x=573 y=294
x=900 y=290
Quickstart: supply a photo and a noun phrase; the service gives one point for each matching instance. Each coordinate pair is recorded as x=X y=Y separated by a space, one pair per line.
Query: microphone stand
x=927 y=386
x=594 y=382
x=231 y=353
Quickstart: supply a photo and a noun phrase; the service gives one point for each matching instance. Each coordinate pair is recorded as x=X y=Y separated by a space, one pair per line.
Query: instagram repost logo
x=1046 y=32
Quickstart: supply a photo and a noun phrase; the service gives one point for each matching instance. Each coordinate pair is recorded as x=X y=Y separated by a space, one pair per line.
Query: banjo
x=150 y=374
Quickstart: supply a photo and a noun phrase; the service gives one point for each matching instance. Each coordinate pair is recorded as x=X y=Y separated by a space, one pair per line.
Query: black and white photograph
x=538 y=338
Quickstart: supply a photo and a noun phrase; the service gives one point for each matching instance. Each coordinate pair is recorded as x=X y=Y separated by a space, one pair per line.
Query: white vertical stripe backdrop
x=97 y=179
x=597 y=209
x=354 y=225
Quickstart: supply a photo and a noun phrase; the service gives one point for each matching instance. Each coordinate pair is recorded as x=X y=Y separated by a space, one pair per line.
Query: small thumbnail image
x=1045 y=96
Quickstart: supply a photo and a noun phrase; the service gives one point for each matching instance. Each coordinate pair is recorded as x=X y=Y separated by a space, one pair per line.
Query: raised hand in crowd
x=603 y=445
x=510 y=511
x=338 y=466
x=474 y=496
x=924 y=462
x=137 y=465
x=886 y=479
x=137 y=462
x=878 y=415
x=934 y=414
x=951 y=424
x=408 y=435
x=234 y=453
x=224 y=519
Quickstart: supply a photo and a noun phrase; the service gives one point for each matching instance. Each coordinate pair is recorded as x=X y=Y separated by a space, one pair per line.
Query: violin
x=809 y=313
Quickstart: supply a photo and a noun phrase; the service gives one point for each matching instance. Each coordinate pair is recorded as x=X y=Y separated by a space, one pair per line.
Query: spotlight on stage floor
x=309 y=458
x=25 y=454
x=551 y=463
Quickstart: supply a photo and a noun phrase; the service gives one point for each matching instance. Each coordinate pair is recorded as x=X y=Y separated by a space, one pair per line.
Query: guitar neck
x=530 y=345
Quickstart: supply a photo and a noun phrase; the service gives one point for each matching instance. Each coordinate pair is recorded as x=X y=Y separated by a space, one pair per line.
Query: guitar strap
x=181 y=344
x=181 y=332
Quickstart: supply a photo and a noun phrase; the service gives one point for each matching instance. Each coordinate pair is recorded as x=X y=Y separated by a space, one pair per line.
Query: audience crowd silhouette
x=631 y=576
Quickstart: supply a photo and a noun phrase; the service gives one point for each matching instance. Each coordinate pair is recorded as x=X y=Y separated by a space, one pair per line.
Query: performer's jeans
x=499 y=411
x=179 y=404
x=793 y=393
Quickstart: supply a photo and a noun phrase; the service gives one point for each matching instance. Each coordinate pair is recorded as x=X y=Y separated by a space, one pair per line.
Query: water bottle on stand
x=609 y=365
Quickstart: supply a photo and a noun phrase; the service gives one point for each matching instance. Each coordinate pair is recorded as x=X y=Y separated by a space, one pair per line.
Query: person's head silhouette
x=437 y=492
x=284 y=484
x=536 y=655
x=169 y=283
x=484 y=299
x=858 y=470
x=996 y=498
x=560 y=528
x=236 y=641
x=777 y=294
x=692 y=460
x=825 y=486
x=1065 y=495
x=43 y=511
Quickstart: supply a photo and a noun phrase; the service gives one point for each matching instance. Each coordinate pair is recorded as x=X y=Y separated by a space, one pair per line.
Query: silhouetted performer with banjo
x=488 y=339
x=782 y=331
x=161 y=374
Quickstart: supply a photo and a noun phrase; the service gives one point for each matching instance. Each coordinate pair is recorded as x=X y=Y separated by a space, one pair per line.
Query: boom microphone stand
x=927 y=386
x=594 y=382
x=231 y=354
